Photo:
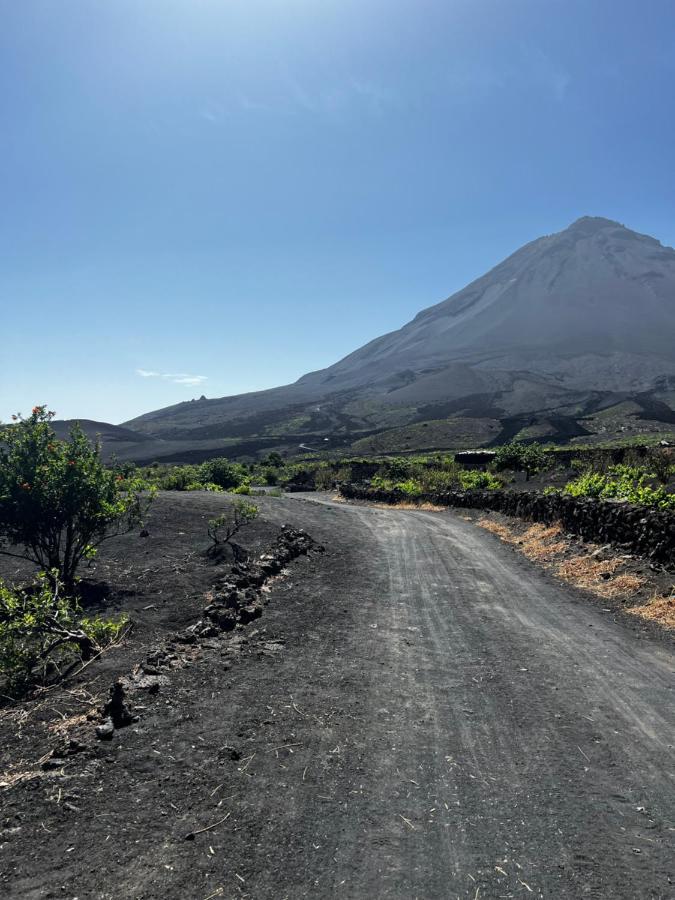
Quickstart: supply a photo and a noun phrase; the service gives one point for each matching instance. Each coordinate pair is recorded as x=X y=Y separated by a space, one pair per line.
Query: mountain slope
x=569 y=323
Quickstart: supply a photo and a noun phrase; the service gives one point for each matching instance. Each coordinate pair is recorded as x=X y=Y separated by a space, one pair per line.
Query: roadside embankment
x=641 y=530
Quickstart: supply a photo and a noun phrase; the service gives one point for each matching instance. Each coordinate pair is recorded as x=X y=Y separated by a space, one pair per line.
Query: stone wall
x=638 y=529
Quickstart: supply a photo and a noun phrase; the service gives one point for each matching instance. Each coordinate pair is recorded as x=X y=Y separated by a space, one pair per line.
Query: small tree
x=528 y=458
x=58 y=501
x=222 y=472
x=222 y=529
x=662 y=464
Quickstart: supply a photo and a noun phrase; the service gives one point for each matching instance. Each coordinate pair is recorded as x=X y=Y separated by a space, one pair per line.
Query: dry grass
x=9 y=779
x=584 y=569
x=544 y=544
x=660 y=609
x=538 y=542
x=623 y=586
x=500 y=530
x=600 y=576
x=63 y=726
x=408 y=504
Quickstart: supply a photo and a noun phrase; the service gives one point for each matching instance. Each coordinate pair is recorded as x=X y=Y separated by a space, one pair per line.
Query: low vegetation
x=517 y=457
x=44 y=633
x=622 y=482
x=58 y=503
x=584 y=568
x=223 y=528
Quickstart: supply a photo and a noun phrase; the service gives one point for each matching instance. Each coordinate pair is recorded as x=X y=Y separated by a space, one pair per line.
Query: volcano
x=572 y=336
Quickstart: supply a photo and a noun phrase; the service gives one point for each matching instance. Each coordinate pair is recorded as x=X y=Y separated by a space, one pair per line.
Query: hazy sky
x=219 y=196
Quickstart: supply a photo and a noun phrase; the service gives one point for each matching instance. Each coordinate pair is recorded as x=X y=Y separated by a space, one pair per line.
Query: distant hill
x=572 y=336
x=111 y=434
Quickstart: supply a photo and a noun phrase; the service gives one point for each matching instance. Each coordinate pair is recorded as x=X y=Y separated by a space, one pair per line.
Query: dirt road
x=421 y=714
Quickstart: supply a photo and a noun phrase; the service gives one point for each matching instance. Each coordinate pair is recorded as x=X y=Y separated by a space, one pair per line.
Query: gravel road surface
x=421 y=713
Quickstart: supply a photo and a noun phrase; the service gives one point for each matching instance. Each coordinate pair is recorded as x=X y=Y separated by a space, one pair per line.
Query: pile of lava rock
x=237 y=599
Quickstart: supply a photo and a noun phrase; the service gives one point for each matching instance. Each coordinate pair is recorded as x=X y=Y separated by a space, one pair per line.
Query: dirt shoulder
x=624 y=582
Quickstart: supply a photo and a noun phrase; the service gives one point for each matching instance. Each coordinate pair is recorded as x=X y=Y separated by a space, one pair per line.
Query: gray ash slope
x=569 y=324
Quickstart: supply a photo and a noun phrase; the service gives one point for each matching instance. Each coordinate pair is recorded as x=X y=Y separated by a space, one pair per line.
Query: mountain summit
x=567 y=324
x=596 y=287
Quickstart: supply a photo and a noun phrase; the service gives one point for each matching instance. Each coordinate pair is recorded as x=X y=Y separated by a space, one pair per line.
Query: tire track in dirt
x=444 y=720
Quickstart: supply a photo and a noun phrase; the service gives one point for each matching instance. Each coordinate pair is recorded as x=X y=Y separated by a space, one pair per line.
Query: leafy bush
x=528 y=458
x=223 y=528
x=243 y=488
x=621 y=482
x=324 y=479
x=58 y=501
x=411 y=487
x=222 y=472
x=438 y=480
x=589 y=484
x=42 y=631
x=204 y=486
x=399 y=469
x=381 y=483
x=473 y=479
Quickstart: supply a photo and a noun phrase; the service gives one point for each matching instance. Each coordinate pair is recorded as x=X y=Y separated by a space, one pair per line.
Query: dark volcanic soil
x=418 y=713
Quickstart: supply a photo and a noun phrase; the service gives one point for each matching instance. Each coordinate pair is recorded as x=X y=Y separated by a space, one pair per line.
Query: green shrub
x=438 y=480
x=224 y=527
x=243 y=488
x=344 y=474
x=179 y=478
x=621 y=482
x=474 y=479
x=528 y=458
x=204 y=486
x=410 y=487
x=588 y=484
x=397 y=469
x=222 y=472
x=58 y=501
x=41 y=632
x=381 y=483
x=324 y=479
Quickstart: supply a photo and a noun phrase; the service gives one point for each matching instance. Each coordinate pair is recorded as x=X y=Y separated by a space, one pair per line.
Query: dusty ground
x=622 y=580
x=420 y=712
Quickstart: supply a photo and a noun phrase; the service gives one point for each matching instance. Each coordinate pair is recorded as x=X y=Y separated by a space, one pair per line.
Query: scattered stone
x=229 y=752
x=249 y=613
x=116 y=708
x=105 y=731
x=54 y=762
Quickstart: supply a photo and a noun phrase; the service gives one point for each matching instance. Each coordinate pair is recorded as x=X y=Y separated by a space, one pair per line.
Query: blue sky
x=230 y=193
